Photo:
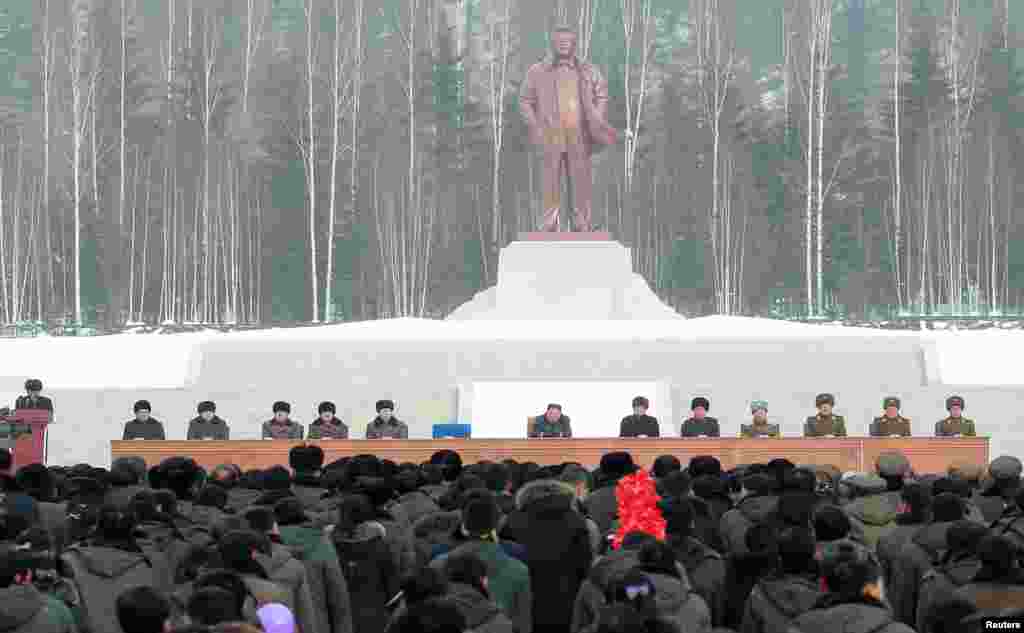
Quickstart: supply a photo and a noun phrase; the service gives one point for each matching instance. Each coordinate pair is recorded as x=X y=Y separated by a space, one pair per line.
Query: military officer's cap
x=822 y=398
x=891 y=401
x=954 y=401
x=758 y=404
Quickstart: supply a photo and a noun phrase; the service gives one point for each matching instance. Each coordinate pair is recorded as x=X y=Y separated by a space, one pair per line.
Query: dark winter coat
x=557 y=548
x=891 y=545
x=774 y=603
x=327 y=585
x=634 y=425
x=309 y=491
x=413 y=506
x=675 y=599
x=393 y=428
x=752 y=510
x=482 y=615
x=28 y=402
x=508 y=580
x=288 y=431
x=939 y=583
x=873 y=516
x=100 y=574
x=706 y=569
x=215 y=429
x=742 y=572
x=284 y=570
x=122 y=496
x=151 y=429
x=707 y=520
x=24 y=609
x=241 y=498
x=851 y=617
x=1012 y=527
x=602 y=506
x=921 y=553
x=365 y=549
x=318 y=430
x=166 y=549
x=991 y=504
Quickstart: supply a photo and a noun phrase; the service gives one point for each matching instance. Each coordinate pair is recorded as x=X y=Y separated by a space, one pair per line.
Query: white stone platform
x=565 y=280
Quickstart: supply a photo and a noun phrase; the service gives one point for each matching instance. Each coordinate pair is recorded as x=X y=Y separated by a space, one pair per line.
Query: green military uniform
x=541 y=427
x=951 y=426
x=884 y=426
x=822 y=425
x=760 y=430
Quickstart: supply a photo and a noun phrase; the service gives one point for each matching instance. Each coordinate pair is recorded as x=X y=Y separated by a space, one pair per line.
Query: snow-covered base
x=424 y=364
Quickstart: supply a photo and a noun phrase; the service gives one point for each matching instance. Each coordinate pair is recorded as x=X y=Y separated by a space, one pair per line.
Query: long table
x=926 y=454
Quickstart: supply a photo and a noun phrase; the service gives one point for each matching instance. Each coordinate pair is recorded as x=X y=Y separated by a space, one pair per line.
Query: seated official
x=826 y=423
x=143 y=427
x=955 y=425
x=33 y=399
x=385 y=425
x=281 y=427
x=639 y=424
x=759 y=426
x=891 y=423
x=327 y=426
x=552 y=423
x=208 y=426
x=699 y=424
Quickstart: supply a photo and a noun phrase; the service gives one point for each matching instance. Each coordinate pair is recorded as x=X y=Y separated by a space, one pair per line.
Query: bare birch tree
x=82 y=81
x=310 y=153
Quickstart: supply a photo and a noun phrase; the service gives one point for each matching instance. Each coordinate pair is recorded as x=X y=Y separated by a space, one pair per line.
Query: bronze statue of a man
x=564 y=101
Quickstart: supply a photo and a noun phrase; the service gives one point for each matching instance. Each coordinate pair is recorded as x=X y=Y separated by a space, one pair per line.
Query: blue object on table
x=461 y=431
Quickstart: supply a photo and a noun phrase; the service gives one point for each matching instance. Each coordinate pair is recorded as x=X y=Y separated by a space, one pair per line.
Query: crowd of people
x=364 y=545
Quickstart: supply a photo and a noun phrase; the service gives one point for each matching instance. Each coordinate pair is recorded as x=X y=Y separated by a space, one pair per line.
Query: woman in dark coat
x=558 y=552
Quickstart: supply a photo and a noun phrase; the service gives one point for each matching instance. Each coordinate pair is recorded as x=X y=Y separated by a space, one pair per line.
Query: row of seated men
x=555 y=423
x=369 y=546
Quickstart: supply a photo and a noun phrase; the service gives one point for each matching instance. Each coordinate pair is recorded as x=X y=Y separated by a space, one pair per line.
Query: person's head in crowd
x=37 y=481
x=277 y=478
x=831 y=523
x=213 y=497
x=893 y=467
x=450 y=463
x=616 y=465
x=699 y=407
x=798 y=480
x=948 y=507
x=797 y=551
x=276 y=618
x=238 y=550
x=762 y=539
x=206 y=409
x=480 y=516
x=999 y=559
x=636 y=589
x=954 y=485
x=307 y=459
x=664 y=465
x=143 y=504
x=679 y=514
x=281 y=411
x=676 y=484
x=228 y=581
x=353 y=511
x=709 y=486
x=33 y=387
x=212 y=605
x=261 y=519
x=116 y=527
x=225 y=475
x=289 y=511
x=796 y=510
x=496 y=477
x=385 y=409
x=123 y=473
x=1004 y=474
x=852 y=573
x=436 y=615
x=658 y=557
x=780 y=466
x=917 y=504
x=580 y=480
x=947 y=615
x=432 y=474
x=466 y=568
x=759 y=483
x=640 y=405
x=183 y=476
x=142 y=409
x=143 y=610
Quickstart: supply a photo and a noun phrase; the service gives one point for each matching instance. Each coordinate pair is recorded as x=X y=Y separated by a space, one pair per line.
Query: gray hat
x=866 y=483
x=892 y=464
x=1005 y=467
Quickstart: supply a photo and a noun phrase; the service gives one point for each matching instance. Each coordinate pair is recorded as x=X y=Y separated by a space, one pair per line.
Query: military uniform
x=952 y=426
x=634 y=425
x=822 y=425
x=393 y=428
x=707 y=426
x=288 y=430
x=542 y=428
x=884 y=426
x=760 y=430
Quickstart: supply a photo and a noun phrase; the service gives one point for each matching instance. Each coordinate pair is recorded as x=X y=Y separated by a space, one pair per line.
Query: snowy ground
x=100 y=376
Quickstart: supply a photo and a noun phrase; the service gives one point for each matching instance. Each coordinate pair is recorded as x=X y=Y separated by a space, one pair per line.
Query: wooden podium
x=23 y=433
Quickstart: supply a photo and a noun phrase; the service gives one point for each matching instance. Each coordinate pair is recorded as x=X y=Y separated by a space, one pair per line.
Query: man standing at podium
x=551 y=424
x=891 y=423
x=564 y=101
x=639 y=424
x=34 y=400
x=955 y=425
x=143 y=427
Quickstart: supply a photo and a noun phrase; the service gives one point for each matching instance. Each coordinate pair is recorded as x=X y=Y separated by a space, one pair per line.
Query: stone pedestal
x=566 y=276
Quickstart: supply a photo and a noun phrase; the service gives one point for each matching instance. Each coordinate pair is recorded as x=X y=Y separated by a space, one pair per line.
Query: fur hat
x=280 y=405
x=289 y=511
x=700 y=401
x=327 y=406
x=954 y=400
x=641 y=401
x=760 y=483
x=892 y=464
x=666 y=464
x=831 y=523
x=707 y=486
x=33 y=384
x=675 y=484
x=206 y=405
x=276 y=478
x=891 y=401
x=617 y=464
x=306 y=458
x=142 y=405
x=947 y=507
x=823 y=398
x=1005 y=467
x=704 y=465
x=480 y=514
x=385 y=404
